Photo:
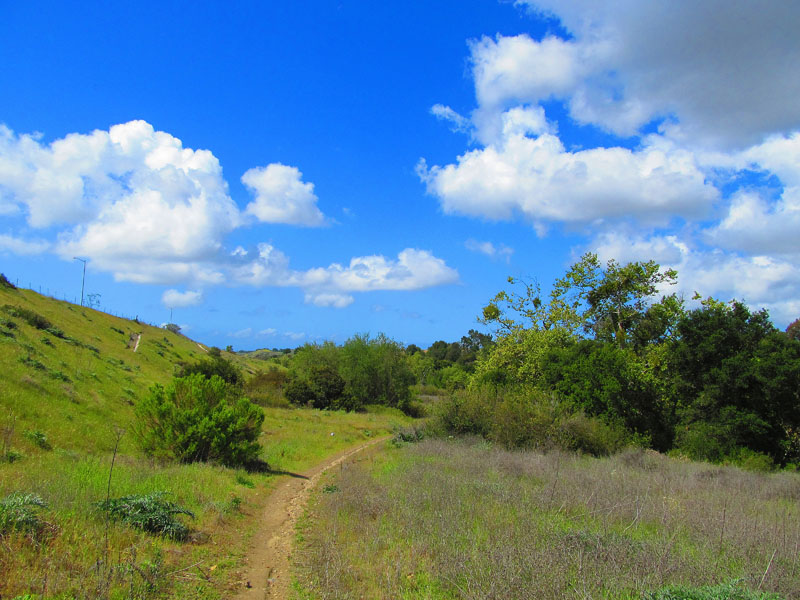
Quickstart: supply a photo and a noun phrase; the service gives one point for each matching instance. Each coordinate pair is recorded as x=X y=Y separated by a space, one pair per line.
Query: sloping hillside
x=69 y=380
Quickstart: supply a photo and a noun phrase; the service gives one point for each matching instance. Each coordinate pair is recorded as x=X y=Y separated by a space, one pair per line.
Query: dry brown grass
x=461 y=520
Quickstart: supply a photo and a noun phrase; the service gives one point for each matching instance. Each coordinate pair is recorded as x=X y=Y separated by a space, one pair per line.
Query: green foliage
x=148 y=512
x=604 y=380
x=362 y=371
x=528 y=418
x=19 y=512
x=738 y=381
x=725 y=591
x=4 y=282
x=173 y=327
x=199 y=419
x=266 y=387
x=215 y=365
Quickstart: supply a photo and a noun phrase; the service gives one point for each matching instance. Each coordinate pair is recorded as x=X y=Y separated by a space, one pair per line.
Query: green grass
x=459 y=519
x=67 y=394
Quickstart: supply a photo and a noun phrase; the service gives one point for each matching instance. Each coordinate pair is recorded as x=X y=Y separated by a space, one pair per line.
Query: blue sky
x=283 y=173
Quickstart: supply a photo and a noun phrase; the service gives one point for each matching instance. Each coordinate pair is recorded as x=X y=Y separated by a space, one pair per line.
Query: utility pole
x=83 y=281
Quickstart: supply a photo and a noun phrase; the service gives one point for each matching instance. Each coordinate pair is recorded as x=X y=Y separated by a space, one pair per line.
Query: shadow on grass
x=262 y=466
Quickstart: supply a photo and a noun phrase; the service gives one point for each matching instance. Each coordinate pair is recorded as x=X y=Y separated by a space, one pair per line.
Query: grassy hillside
x=69 y=379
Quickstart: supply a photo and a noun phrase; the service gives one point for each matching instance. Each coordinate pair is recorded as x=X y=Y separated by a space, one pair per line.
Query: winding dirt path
x=266 y=567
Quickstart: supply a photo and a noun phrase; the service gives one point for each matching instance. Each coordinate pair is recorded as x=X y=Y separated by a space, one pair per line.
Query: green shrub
x=149 y=512
x=20 y=513
x=208 y=367
x=199 y=419
x=522 y=417
x=4 y=282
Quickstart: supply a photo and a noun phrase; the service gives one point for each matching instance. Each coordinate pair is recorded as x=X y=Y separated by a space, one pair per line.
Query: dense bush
x=528 y=418
x=362 y=371
x=265 y=388
x=215 y=365
x=199 y=419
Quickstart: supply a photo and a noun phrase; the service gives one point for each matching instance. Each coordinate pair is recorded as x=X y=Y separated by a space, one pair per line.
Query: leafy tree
x=195 y=418
x=738 y=382
x=375 y=370
x=606 y=381
x=438 y=350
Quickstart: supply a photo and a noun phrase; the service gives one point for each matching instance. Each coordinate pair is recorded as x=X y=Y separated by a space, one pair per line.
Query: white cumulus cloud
x=538 y=179
x=281 y=196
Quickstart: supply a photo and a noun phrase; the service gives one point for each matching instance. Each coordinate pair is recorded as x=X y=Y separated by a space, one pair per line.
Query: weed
x=33 y=319
x=149 y=512
x=38 y=438
x=32 y=362
x=60 y=376
x=20 y=513
x=56 y=332
x=11 y=456
x=242 y=480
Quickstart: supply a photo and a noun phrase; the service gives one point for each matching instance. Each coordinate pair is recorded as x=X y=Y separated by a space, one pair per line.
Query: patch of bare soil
x=266 y=566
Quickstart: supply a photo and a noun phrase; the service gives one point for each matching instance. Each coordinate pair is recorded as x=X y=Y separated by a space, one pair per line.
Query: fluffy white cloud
x=761 y=281
x=723 y=69
x=332 y=286
x=489 y=249
x=282 y=196
x=22 y=247
x=176 y=299
x=137 y=204
x=140 y=204
x=542 y=181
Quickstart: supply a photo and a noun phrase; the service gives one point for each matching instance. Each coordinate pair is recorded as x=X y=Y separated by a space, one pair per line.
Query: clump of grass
x=32 y=362
x=19 y=513
x=148 y=512
x=725 y=591
x=410 y=434
x=245 y=481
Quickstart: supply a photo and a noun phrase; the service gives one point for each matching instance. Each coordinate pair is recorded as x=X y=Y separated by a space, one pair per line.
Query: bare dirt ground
x=266 y=566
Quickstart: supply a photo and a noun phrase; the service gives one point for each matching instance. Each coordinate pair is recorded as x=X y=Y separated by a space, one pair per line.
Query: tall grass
x=464 y=520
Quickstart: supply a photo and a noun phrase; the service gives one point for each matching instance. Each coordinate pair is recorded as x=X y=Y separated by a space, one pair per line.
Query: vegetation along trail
x=266 y=570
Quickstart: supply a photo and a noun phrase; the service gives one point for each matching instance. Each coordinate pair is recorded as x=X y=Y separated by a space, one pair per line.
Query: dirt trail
x=266 y=568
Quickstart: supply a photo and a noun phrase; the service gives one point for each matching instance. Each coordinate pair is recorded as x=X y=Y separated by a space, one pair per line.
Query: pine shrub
x=196 y=419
